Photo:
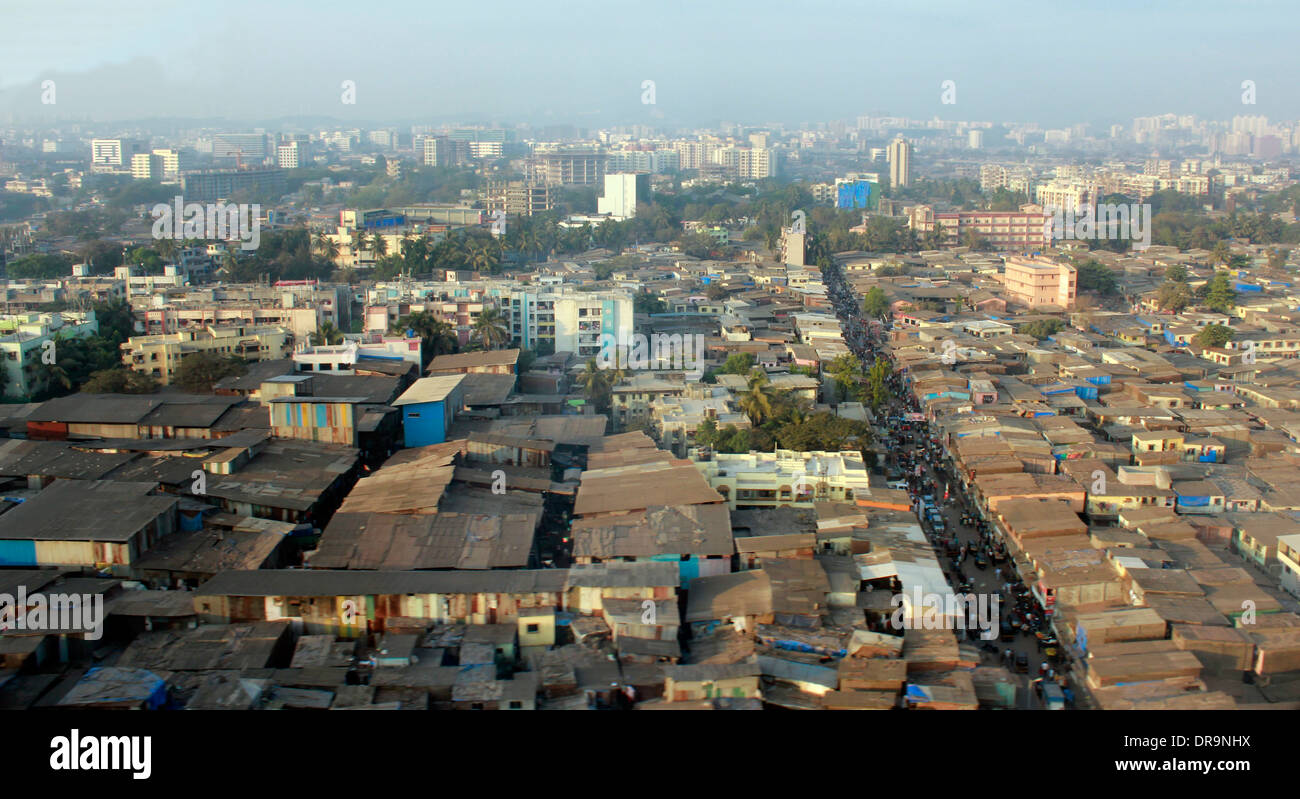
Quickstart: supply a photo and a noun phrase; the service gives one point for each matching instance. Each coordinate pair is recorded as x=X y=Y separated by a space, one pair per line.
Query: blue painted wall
x=18 y=553
x=424 y=423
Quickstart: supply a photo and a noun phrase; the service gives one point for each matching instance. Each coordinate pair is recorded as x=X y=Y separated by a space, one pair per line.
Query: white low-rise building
x=784 y=477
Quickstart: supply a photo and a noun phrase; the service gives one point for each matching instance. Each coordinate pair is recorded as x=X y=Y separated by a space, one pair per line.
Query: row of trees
x=778 y=419
x=1175 y=294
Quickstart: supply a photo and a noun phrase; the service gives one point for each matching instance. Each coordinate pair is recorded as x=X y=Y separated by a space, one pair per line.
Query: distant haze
x=584 y=62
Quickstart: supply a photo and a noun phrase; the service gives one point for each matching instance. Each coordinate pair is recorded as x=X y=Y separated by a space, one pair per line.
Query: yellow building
x=160 y=355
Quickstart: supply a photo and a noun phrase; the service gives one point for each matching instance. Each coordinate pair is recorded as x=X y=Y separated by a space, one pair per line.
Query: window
x=533 y=628
x=515 y=704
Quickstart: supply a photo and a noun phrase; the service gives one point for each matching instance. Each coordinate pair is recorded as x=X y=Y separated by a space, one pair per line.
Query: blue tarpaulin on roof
x=918 y=693
x=1194 y=502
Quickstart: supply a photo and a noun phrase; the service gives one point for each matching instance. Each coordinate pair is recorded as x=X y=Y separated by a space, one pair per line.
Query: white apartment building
x=656 y=162
x=288 y=156
x=114 y=154
x=900 y=162
x=1066 y=195
x=24 y=348
x=623 y=191
x=579 y=320
x=784 y=477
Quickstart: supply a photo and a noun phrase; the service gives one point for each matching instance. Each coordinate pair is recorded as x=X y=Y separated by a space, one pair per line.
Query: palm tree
x=439 y=337
x=481 y=256
x=757 y=401
x=359 y=240
x=379 y=246
x=415 y=254
x=327 y=334
x=490 y=328
x=326 y=246
x=166 y=248
x=772 y=238
x=52 y=373
x=598 y=384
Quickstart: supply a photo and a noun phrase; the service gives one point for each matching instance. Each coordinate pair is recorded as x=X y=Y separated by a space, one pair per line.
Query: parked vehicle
x=1022 y=663
x=1051 y=694
x=981 y=562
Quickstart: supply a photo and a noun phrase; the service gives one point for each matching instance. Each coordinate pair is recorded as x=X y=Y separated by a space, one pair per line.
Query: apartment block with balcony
x=28 y=341
x=160 y=355
x=579 y=319
x=1005 y=230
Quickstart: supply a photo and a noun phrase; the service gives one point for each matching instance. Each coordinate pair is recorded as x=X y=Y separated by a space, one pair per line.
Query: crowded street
x=969 y=549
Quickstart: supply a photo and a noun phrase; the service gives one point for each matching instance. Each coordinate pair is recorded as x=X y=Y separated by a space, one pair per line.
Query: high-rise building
x=622 y=193
x=114 y=154
x=975 y=139
x=1070 y=195
x=900 y=162
x=173 y=161
x=248 y=147
x=223 y=184
x=146 y=166
x=569 y=168
x=288 y=156
x=518 y=197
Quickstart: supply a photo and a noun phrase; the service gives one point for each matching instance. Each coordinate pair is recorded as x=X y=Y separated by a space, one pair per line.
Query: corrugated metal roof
x=309 y=582
x=85 y=510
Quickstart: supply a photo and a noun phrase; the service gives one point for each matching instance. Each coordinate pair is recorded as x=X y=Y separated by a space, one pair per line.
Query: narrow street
x=909 y=445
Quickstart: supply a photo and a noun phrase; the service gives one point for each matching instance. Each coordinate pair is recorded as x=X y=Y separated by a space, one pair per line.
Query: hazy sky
x=584 y=62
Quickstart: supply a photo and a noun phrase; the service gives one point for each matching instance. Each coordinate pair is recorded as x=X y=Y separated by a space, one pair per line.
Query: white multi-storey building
x=622 y=193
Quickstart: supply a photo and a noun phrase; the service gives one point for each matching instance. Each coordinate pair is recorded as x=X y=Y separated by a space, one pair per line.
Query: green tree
x=490 y=328
x=1173 y=296
x=1214 y=336
x=1042 y=328
x=326 y=247
x=1220 y=253
x=846 y=370
x=878 y=385
x=120 y=381
x=327 y=334
x=598 y=384
x=1219 y=294
x=1096 y=276
x=739 y=363
x=648 y=304
x=875 y=303
x=757 y=402
x=199 y=371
